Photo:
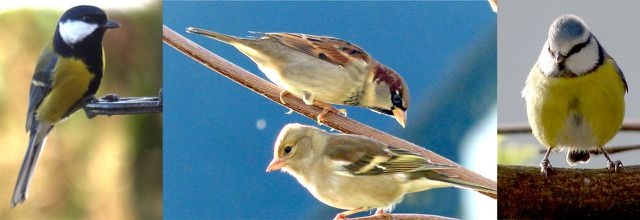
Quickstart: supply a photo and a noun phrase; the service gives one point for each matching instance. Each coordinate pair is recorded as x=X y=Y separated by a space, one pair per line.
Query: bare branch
x=114 y=105
x=332 y=119
x=402 y=217
x=568 y=193
x=524 y=128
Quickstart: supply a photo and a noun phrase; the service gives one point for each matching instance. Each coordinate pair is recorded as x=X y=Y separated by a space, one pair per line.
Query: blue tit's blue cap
x=567 y=28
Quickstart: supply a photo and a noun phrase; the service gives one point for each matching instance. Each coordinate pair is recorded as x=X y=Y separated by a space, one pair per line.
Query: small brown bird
x=324 y=69
x=354 y=172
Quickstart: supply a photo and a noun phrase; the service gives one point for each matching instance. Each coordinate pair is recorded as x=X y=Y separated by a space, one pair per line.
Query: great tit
x=66 y=77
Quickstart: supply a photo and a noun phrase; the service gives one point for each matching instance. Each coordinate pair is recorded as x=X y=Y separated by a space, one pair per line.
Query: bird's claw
x=545 y=167
x=111 y=97
x=282 y=94
x=340 y=217
x=616 y=166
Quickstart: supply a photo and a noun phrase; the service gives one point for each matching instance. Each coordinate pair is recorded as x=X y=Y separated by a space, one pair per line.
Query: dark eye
x=287 y=149
x=87 y=19
x=396 y=100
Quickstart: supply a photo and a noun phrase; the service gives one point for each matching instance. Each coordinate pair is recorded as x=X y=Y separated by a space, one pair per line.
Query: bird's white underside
x=73 y=31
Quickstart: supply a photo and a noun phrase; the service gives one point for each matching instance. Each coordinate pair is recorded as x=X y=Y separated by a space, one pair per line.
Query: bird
x=354 y=172
x=574 y=94
x=66 y=77
x=326 y=69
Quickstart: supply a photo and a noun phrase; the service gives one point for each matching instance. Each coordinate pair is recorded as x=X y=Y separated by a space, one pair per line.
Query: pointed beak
x=111 y=25
x=276 y=164
x=558 y=58
x=400 y=116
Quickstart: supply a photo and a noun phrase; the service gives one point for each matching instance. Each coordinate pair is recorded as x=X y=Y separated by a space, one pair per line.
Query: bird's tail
x=433 y=175
x=37 y=138
x=214 y=35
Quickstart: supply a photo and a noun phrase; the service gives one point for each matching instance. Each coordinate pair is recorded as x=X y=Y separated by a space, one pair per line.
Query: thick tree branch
x=333 y=120
x=568 y=193
x=114 y=105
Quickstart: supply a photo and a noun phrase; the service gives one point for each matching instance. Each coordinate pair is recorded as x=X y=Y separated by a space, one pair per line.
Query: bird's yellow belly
x=70 y=82
x=579 y=113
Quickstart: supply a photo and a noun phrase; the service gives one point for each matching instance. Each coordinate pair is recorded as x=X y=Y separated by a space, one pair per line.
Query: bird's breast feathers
x=300 y=73
x=575 y=112
x=71 y=79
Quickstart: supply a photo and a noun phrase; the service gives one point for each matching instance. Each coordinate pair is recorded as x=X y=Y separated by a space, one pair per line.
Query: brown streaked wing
x=329 y=49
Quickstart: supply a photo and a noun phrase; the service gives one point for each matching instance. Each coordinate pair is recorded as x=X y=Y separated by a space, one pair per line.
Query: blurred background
x=104 y=168
x=219 y=136
x=522 y=31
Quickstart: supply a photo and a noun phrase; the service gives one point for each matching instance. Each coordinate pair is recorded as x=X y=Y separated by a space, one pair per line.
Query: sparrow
x=356 y=173
x=324 y=69
x=574 y=94
x=66 y=77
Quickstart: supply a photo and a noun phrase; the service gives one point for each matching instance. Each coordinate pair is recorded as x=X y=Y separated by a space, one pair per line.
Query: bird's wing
x=329 y=49
x=41 y=83
x=365 y=156
x=626 y=88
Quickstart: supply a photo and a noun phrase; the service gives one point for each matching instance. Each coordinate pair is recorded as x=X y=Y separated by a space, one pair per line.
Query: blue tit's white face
x=570 y=50
x=74 y=31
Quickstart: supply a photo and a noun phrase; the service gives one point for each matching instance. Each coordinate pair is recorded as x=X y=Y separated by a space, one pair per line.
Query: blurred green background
x=104 y=168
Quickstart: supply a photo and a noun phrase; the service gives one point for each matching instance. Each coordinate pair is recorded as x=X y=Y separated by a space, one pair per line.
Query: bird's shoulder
x=618 y=70
x=329 y=49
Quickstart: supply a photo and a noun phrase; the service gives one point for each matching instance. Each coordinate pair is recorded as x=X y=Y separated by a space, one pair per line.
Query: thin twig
x=524 y=128
x=332 y=119
x=113 y=105
x=402 y=217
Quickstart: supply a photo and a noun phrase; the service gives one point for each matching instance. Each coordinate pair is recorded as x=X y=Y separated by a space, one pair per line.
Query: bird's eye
x=86 y=19
x=287 y=149
x=396 y=100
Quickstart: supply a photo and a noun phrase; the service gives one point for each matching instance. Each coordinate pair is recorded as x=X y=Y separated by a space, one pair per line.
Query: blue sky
x=214 y=154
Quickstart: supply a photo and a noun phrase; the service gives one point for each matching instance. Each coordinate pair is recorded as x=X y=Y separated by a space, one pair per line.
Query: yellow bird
x=574 y=94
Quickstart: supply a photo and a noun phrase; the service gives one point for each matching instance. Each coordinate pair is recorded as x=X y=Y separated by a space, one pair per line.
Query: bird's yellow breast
x=579 y=112
x=71 y=79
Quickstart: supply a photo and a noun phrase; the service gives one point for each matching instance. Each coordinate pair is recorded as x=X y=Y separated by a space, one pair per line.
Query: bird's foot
x=616 y=166
x=282 y=94
x=111 y=97
x=383 y=214
x=545 y=167
x=326 y=109
x=343 y=215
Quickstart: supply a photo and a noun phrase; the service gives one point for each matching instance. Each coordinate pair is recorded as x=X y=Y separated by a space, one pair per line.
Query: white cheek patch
x=74 y=31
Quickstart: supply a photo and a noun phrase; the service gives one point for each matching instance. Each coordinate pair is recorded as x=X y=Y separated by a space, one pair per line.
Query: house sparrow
x=354 y=172
x=325 y=69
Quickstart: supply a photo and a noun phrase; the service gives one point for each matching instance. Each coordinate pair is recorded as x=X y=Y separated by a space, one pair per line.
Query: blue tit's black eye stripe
x=578 y=47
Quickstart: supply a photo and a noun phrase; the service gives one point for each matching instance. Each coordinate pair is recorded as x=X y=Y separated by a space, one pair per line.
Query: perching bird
x=325 y=69
x=574 y=94
x=67 y=75
x=354 y=172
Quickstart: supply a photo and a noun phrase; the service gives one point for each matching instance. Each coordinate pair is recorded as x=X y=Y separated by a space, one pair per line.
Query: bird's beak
x=276 y=164
x=559 y=58
x=111 y=25
x=400 y=116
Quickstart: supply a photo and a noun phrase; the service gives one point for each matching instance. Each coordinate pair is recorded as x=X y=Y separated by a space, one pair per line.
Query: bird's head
x=389 y=94
x=83 y=23
x=294 y=148
x=570 y=49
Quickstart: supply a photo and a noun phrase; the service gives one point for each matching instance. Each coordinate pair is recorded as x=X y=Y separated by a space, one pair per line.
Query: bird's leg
x=325 y=109
x=612 y=165
x=343 y=215
x=545 y=165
